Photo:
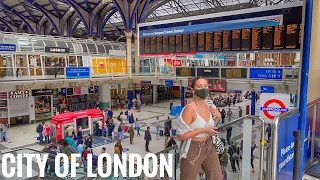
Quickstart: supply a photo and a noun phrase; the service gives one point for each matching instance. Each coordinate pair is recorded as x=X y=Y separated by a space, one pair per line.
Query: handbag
x=235 y=155
x=219 y=145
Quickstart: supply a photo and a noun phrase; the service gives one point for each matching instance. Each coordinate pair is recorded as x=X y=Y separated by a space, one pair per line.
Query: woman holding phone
x=196 y=128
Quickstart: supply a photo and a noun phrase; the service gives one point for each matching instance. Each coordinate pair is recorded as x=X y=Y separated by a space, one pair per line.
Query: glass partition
x=38 y=45
x=9 y=39
x=53 y=65
x=50 y=43
x=6 y=67
x=92 y=48
x=21 y=65
x=24 y=43
x=84 y=47
x=101 y=49
x=62 y=44
x=35 y=61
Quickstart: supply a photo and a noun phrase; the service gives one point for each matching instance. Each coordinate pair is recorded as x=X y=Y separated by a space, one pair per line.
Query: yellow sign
x=116 y=65
x=99 y=65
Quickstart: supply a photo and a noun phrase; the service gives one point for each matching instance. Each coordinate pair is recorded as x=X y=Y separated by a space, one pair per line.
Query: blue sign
x=96 y=89
x=266 y=73
x=285 y=161
x=169 y=83
x=274 y=109
x=267 y=89
x=198 y=56
x=63 y=91
x=77 y=72
x=215 y=26
x=8 y=47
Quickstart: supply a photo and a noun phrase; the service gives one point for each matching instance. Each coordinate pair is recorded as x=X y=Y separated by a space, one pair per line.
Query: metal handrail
x=251 y=117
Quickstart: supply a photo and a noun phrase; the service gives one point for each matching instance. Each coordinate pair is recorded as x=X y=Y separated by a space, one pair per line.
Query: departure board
x=292 y=36
x=147 y=45
x=236 y=39
x=172 y=44
x=186 y=43
x=209 y=41
x=159 y=45
x=165 y=44
x=246 y=39
x=256 y=38
x=154 y=45
x=267 y=35
x=226 y=40
x=201 y=39
x=279 y=37
x=193 y=42
x=217 y=41
x=141 y=45
x=178 y=43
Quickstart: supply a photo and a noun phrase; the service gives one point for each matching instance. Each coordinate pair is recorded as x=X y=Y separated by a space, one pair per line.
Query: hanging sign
x=56 y=50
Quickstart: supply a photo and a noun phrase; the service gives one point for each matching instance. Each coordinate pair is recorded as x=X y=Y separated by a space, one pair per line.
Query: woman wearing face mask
x=196 y=129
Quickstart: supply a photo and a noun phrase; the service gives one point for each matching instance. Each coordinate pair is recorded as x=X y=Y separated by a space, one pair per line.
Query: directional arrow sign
x=77 y=72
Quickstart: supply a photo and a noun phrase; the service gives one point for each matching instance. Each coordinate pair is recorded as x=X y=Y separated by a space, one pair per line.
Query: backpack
x=38 y=128
x=126 y=113
x=119 y=129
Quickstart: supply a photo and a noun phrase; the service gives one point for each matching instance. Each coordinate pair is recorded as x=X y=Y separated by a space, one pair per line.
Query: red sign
x=276 y=101
x=177 y=62
x=77 y=91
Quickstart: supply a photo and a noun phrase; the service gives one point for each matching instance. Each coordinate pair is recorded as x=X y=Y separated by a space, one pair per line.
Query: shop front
x=146 y=92
x=18 y=107
x=118 y=95
x=43 y=104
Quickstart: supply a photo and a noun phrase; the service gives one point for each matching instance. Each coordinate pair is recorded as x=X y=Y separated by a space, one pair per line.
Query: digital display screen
x=267 y=38
x=279 y=35
x=172 y=44
x=193 y=42
x=209 y=41
x=165 y=46
x=292 y=36
x=147 y=46
x=219 y=85
x=201 y=39
x=226 y=40
x=217 y=41
x=178 y=43
x=83 y=122
x=256 y=38
x=246 y=39
x=141 y=45
x=159 y=45
x=236 y=39
x=154 y=45
x=186 y=43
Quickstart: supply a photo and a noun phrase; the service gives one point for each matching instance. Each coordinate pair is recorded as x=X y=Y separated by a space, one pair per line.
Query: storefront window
x=42 y=106
x=21 y=65
x=72 y=61
x=54 y=65
x=6 y=68
x=35 y=61
x=79 y=59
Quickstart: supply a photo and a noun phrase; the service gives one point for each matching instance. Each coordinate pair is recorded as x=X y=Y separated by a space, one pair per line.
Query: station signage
x=56 y=50
x=169 y=83
x=272 y=105
x=42 y=92
x=8 y=47
x=18 y=94
x=266 y=73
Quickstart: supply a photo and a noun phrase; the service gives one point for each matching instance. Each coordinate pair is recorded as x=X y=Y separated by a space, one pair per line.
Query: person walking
x=131 y=133
x=157 y=125
x=229 y=133
x=229 y=115
x=231 y=151
x=121 y=131
x=223 y=115
x=268 y=132
x=240 y=112
x=147 y=138
x=39 y=131
x=252 y=156
x=137 y=126
x=224 y=160
x=118 y=148
x=111 y=127
x=110 y=113
x=166 y=132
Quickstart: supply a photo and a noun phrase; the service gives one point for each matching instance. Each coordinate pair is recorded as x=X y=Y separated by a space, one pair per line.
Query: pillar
x=105 y=98
x=129 y=38
x=136 y=54
x=137 y=90
x=130 y=93
x=182 y=95
x=155 y=92
x=253 y=104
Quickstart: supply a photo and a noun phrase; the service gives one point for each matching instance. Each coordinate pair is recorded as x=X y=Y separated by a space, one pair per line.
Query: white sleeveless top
x=201 y=123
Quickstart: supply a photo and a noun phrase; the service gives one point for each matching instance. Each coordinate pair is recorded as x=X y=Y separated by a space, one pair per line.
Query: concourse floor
x=25 y=136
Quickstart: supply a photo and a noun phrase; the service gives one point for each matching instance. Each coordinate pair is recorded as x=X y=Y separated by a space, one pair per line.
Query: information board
x=147 y=46
x=172 y=44
x=201 y=39
x=185 y=72
x=186 y=43
x=246 y=39
x=208 y=72
x=279 y=37
x=165 y=44
x=159 y=45
x=179 y=43
x=226 y=40
x=234 y=72
x=77 y=72
x=267 y=40
x=154 y=45
x=209 y=41
x=217 y=41
x=141 y=45
x=193 y=42
x=236 y=40
x=256 y=38
x=266 y=73
x=292 y=36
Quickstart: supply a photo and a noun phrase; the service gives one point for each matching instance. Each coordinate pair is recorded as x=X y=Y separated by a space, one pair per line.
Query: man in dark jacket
x=147 y=137
x=171 y=142
x=39 y=131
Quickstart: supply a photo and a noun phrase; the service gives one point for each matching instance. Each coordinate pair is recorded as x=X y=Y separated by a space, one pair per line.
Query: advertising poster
x=117 y=65
x=77 y=91
x=217 y=85
x=99 y=65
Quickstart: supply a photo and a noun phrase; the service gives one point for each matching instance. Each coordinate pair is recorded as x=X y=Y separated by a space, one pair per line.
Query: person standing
x=223 y=115
x=171 y=104
x=39 y=131
x=137 y=126
x=157 y=125
x=229 y=115
x=268 y=131
x=231 y=151
x=166 y=132
x=131 y=118
x=79 y=134
x=4 y=132
x=147 y=138
x=121 y=131
x=229 y=133
x=70 y=131
x=131 y=133
x=224 y=160
x=252 y=156
x=240 y=112
x=118 y=148
x=46 y=133
x=111 y=130
x=99 y=128
x=110 y=113
x=88 y=141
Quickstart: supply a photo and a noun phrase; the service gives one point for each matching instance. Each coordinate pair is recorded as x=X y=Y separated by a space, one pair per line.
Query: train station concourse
x=159 y=89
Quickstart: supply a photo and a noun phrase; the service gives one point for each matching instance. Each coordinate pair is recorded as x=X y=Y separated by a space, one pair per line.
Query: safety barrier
x=283 y=142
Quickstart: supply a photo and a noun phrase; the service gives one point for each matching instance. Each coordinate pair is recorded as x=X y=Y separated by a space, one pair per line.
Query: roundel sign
x=273 y=104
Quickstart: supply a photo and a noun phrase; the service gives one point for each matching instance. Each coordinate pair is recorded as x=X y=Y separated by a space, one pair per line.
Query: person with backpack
x=39 y=131
x=233 y=156
x=121 y=131
x=131 y=118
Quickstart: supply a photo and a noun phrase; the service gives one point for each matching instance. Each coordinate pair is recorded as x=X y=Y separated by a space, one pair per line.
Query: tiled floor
x=25 y=136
